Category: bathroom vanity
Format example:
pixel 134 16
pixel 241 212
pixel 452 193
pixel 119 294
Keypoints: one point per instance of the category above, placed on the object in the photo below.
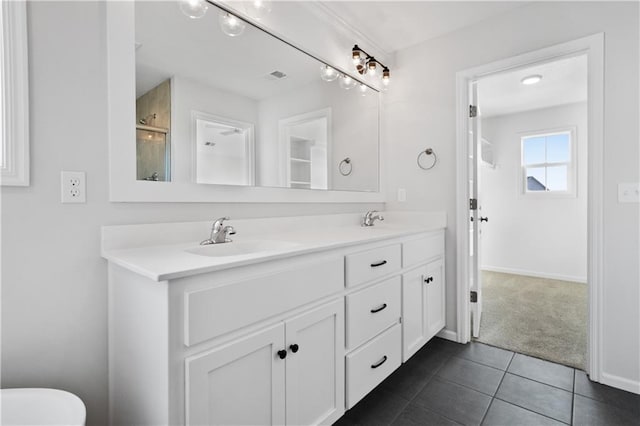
pixel 293 325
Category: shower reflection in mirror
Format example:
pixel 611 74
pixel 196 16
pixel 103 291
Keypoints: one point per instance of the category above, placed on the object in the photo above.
pixel 153 126
pixel 224 150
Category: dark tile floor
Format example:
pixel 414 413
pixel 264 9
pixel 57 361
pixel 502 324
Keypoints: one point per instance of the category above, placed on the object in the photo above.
pixel 448 384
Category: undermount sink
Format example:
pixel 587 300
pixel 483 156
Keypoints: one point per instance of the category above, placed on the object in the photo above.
pixel 240 248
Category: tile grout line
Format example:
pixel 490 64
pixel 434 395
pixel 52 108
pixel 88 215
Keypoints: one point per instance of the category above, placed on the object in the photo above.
pixel 531 411
pixel 493 398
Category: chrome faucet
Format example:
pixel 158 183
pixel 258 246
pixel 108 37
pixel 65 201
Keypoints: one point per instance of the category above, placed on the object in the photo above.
pixel 371 217
pixel 219 233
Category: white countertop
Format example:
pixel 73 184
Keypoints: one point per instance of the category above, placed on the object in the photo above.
pixel 159 251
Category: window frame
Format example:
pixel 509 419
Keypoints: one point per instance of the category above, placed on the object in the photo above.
pixel 572 166
pixel 14 165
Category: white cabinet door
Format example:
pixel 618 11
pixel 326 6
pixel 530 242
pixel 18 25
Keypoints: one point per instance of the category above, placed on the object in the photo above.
pixel 423 314
pixel 414 294
pixel 315 366
pixel 241 383
pixel 435 298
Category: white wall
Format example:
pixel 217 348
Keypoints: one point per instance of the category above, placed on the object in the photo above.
pixel 534 235
pixel 420 112
pixel 54 283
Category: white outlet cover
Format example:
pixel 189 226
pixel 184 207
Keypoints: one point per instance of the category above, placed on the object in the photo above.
pixel 73 187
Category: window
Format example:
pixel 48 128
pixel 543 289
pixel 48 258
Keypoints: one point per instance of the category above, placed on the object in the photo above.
pixel 548 163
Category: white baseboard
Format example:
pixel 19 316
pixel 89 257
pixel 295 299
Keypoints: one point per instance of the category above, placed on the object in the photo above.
pixel 620 383
pixel 448 334
pixel 581 280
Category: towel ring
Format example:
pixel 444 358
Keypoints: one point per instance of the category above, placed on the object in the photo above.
pixel 429 152
pixel 343 167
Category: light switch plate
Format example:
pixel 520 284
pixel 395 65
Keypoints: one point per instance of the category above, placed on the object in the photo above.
pixel 402 195
pixel 629 192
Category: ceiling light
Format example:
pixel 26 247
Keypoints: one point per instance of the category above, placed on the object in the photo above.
pixel 327 73
pixel 258 9
pixel 231 25
pixel 194 9
pixel 531 79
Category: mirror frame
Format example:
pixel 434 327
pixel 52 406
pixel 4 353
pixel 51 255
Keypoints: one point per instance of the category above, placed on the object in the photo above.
pixel 123 187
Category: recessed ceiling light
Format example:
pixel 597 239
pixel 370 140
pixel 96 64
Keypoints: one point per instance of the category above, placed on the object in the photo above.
pixel 531 79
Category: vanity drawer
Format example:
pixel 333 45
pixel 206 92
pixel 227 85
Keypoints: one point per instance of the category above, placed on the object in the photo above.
pixel 422 249
pixel 372 363
pixel 215 311
pixel 372 310
pixel 371 264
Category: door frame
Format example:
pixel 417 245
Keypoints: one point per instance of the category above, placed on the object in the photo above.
pixel 593 47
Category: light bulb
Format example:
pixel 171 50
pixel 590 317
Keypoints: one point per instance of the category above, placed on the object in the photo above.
pixel 386 76
pixel 356 55
pixel 363 89
pixel 327 73
pixel 346 82
pixel 231 25
pixel 371 65
pixel 194 9
pixel 258 9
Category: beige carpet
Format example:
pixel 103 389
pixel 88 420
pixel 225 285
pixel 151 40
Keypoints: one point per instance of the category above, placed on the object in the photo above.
pixel 535 316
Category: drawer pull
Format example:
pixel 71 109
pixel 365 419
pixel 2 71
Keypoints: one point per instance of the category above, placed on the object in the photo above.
pixel 282 354
pixel 379 363
pixel 375 265
pixel 379 308
pixel 294 348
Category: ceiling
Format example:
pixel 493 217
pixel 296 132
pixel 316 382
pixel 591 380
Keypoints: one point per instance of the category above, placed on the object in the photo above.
pixel 563 82
pixel 395 25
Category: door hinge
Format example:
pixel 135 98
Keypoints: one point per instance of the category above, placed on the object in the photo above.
pixel 474 297
pixel 473 111
pixel 473 204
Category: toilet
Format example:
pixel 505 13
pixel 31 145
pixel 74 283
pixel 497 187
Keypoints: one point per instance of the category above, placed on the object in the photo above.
pixel 40 406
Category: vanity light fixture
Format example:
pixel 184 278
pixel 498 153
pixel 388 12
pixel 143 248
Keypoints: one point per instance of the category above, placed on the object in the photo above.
pixel 194 9
pixel 231 25
pixel 531 79
pixel 368 65
pixel 363 89
pixel 327 73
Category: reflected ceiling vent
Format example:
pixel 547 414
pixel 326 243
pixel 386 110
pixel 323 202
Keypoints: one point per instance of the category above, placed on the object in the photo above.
pixel 276 75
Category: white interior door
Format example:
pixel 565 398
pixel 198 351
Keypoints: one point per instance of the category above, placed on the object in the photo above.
pixel 475 208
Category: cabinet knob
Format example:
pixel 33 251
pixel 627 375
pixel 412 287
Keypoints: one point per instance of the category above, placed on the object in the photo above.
pixel 294 348
pixel 484 219
pixel 427 280
pixel 282 354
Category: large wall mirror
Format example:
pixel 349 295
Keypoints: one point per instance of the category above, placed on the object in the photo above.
pixel 223 107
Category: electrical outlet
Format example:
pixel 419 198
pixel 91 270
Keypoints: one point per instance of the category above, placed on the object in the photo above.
pixel 73 187
pixel 629 192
